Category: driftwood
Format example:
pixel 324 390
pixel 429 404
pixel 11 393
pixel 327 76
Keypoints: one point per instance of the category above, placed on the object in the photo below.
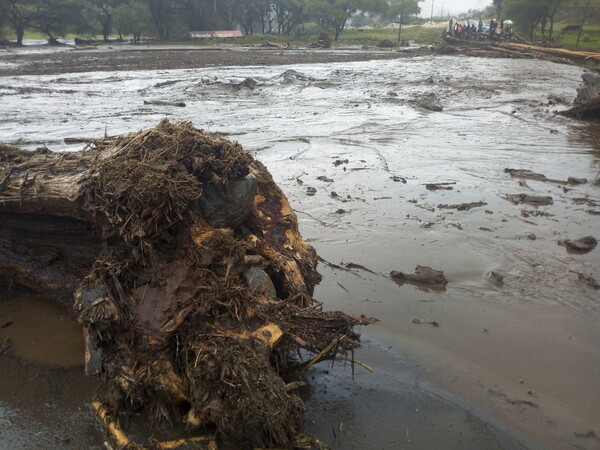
pixel 516 50
pixel 174 325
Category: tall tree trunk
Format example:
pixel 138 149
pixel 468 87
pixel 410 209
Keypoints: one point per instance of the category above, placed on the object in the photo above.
pixel 20 32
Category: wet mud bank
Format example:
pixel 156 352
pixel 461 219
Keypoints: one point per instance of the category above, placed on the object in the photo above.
pixel 479 191
pixel 109 59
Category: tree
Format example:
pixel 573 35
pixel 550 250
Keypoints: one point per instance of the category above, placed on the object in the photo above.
pixel 498 4
pixel 20 14
pixel 265 15
pixel 250 12
pixel 531 14
pixel 335 13
pixel 227 10
pixel 289 14
pixel 102 12
pixel 56 17
pixel 164 15
pixel 552 9
pixel 528 14
pixel 131 19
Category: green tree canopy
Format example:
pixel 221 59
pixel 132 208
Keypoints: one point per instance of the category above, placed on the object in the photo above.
pixel 132 18
pixel 335 13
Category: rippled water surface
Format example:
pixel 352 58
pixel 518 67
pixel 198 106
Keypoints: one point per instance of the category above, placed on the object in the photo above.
pixel 527 351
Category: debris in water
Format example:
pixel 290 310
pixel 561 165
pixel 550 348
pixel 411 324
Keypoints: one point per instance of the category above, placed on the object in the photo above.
pixel 576 181
pixel 463 206
pixel 582 245
pixel 325 179
pixel 163 103
pixel 526 174
pixel 534 200
pixel 422 275
pixel 439 186
pixel 434 324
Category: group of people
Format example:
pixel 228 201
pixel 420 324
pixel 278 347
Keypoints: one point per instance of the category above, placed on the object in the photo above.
pixel 469 29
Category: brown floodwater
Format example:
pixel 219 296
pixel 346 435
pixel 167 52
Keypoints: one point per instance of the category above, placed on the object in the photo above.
pixel 44 397
pixel 522 356
pixel 41 331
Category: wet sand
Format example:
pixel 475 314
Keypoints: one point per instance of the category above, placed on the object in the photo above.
pixel 522 356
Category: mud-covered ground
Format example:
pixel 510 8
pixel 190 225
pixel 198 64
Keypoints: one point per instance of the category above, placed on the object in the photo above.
pixel 66 59
pixel 383 184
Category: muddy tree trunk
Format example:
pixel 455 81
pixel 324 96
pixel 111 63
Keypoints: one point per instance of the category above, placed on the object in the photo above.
pixel 189 312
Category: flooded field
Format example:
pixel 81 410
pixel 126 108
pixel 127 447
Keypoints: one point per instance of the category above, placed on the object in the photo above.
pixel 380 184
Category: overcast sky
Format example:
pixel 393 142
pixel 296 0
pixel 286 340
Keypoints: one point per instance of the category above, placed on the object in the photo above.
pixel 454 6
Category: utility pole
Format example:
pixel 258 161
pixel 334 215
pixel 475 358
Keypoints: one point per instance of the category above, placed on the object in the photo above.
pixel 432 4
pixel 582 21
pixel 401 20
pixel 442 11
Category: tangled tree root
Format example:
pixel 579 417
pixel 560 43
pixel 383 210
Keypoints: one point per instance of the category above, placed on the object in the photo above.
pixel 188 318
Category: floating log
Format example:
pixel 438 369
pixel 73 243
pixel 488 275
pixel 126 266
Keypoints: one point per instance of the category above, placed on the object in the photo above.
pixel 135 237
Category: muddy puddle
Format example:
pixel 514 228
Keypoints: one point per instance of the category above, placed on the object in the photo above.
pixel 44 399
pixel 513 339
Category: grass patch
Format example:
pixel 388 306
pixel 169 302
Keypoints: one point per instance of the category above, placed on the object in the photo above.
pixel 419 34
pixel 590 38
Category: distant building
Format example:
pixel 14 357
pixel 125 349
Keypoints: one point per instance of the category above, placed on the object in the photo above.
pixel 215 34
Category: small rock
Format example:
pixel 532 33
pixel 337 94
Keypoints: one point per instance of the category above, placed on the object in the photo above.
pixel 228 207
pixel 430 102
pixel 310 191
pixel 493 278
pixel 260 283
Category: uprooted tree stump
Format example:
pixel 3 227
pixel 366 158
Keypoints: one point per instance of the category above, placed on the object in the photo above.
pixel 587 102
pixel 182 260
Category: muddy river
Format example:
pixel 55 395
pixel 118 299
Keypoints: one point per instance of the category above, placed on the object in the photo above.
pixel 509 360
